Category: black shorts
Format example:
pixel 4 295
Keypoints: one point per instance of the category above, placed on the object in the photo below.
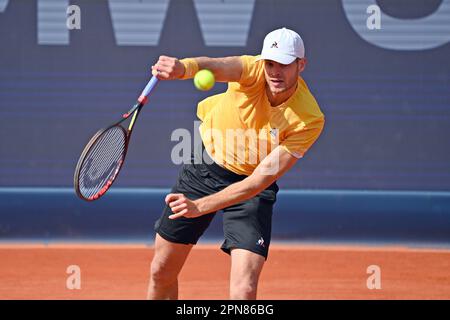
pixel 246 225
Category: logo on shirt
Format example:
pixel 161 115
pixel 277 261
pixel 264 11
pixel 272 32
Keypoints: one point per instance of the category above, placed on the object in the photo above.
pixel 274 45
pixel 273 132
pixel 260 242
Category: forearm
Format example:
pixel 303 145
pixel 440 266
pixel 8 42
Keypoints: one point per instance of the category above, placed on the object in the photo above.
pixel 227 69
pixel 234 193
pixel 268 171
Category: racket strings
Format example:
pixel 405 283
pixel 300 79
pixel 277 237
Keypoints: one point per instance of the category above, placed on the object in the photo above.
pixel 102 159
pixel 101 152
pixel 102 162
pixel 93 173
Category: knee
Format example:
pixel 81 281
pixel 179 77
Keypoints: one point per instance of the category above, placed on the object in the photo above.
pixel 161 274
pixel 243 290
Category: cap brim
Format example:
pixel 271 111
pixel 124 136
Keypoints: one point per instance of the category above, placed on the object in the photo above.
pixel 277 57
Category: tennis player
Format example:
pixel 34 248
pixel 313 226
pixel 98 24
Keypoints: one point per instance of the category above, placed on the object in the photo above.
pixel 266 95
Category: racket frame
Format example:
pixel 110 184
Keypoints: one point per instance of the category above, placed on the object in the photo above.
pixel 134 112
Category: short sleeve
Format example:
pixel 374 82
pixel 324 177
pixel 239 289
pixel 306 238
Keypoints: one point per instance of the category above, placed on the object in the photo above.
pixel 252 70
pixel 301 138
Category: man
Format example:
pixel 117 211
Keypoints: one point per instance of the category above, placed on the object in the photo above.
pixel 265 94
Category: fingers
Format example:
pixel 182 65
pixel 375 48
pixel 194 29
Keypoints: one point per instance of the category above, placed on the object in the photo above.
pixel 178 208
pixel 160 73
pixel 176 202
pixel 163 68
pixel 173 197
pixel 167 68
pixel 178 215
pixel 155 72
pixel 166 58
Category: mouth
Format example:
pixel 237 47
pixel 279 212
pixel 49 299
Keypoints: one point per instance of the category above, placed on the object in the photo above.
pixel 276 82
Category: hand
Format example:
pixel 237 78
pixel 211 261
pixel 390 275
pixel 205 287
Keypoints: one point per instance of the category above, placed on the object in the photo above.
pixel 181 206
pixel 168 68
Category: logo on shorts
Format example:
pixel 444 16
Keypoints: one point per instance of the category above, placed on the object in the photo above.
pixel 260 242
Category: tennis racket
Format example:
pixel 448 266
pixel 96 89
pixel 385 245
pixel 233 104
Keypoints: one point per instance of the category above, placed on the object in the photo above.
pixel 104 155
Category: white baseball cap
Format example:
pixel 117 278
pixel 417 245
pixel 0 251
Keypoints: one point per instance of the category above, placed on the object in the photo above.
pixel 283 46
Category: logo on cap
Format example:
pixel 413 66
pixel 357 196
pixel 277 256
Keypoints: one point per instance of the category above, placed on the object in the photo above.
pixel 274 45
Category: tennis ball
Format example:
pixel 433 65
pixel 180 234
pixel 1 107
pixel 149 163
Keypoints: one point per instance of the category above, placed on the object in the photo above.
pixel 204 80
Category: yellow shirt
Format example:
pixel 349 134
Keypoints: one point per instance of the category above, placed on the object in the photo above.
pixel 240 127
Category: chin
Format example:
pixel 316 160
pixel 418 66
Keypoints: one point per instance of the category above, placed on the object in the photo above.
pixel 277 90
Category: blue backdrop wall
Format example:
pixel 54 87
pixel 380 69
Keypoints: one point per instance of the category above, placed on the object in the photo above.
pixel 387 111
pixel 385 92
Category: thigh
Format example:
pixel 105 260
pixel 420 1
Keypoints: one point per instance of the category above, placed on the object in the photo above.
pixel 246 266
pixel 248 225
pixel 169 256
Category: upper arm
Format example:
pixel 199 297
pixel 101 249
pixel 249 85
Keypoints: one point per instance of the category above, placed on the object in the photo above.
pixel 227 69
pixel 246 69
pixel 252 71
pixel 301 138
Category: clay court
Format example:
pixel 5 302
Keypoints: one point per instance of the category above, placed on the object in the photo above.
pixel 292 272
pixel 373 191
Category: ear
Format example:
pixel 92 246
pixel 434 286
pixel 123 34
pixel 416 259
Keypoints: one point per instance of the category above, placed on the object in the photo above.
pixel 301 64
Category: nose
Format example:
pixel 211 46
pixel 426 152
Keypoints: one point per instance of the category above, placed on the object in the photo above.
pixel 276 71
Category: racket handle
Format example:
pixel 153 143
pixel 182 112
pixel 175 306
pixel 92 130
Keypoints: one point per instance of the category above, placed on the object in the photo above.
pixel 148 88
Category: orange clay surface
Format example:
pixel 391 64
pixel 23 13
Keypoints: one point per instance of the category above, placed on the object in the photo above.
pixel 36 271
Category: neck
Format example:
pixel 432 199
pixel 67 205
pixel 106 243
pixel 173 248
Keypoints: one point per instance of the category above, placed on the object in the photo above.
pixel 276 99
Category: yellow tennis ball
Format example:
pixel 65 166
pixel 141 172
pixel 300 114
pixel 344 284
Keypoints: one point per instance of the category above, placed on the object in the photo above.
pixel 204 80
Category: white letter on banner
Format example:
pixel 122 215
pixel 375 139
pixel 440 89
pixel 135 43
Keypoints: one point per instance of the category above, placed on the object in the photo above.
pixel 374 20
pixel 74 18
pixel 401 34
pixel 181 152
pixel 225 23
pixel 138 22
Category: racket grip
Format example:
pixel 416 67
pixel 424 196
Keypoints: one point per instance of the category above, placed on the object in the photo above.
pixel 148 88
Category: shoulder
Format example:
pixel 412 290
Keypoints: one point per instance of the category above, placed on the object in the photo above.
pixel 305 104
pixel 251 60
pixel 252 70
